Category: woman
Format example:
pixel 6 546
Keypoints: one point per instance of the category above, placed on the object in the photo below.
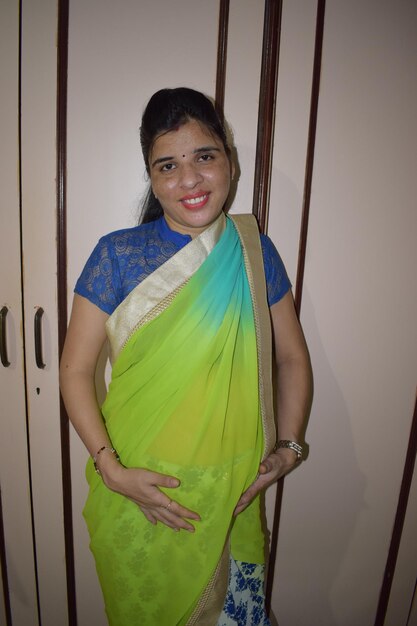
pixel 185 439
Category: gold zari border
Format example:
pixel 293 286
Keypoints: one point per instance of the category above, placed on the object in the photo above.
pixel 152 296
pixel 210 604
pixel 247 228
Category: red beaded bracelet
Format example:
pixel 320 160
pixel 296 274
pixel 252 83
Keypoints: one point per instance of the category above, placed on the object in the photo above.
pixel 112 450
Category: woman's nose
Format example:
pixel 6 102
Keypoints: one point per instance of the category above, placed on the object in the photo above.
pixel 190 175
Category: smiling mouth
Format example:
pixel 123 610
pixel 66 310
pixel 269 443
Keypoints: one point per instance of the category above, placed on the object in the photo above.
pixel 195 202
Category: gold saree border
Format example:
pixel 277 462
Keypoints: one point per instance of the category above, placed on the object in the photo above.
pixel 210 604
pixel 155 293
pixel 247 228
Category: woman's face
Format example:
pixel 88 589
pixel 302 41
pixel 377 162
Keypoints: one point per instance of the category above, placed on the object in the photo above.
pixel 190 175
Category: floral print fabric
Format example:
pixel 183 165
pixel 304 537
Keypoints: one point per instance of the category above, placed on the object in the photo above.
pixel 245 599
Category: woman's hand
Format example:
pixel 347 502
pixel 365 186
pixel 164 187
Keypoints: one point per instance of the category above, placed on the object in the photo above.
pixel 276 465
pixel 142 487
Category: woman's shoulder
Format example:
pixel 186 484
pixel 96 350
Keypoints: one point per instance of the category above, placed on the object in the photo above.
pixel 277 280
pixel 269 251
pixel 130 237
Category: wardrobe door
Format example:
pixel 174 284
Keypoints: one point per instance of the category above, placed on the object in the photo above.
pixel 18 568
pixel 38 159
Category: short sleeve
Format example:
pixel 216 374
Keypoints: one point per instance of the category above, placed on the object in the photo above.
pixel 100 279
pixel 277 281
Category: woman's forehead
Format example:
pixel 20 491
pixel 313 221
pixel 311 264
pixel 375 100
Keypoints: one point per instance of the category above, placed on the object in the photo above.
pixel 187 136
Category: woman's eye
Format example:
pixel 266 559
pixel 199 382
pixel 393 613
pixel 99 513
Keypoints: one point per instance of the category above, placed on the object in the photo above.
pixel 206 157
pixel 167 167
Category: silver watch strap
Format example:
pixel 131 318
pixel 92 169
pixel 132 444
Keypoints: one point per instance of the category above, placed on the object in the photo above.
pixel 292 445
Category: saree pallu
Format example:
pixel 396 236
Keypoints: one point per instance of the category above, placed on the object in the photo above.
pixel 185 399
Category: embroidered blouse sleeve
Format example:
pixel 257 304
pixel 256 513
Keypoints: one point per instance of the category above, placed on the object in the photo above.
pixel 100 279
pixel 277 281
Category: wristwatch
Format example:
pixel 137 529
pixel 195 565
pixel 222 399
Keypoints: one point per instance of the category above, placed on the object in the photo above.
pixel 292 445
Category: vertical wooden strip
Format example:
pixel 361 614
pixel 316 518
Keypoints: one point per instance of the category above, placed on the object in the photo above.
pixel 398 523
pixel 315 90
pixel 22 289
pixel 311 142
pixel 222 56
pixel 3 565
pixel 413 606
pixel 62 69
pixel 266 112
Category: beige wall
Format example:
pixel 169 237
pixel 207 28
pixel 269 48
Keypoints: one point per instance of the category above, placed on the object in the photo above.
pixel 359 303
pixel 359 309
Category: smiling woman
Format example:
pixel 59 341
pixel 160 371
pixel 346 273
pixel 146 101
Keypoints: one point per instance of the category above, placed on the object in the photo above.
pixel 193 182
pixel 185 440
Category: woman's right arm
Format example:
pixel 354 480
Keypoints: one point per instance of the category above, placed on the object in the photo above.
pixel 85 338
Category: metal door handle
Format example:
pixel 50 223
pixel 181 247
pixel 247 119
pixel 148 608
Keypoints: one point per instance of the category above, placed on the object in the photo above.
pixel 38 338
pixel 3 340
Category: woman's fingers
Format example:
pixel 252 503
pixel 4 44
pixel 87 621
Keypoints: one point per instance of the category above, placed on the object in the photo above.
pixel 169 518
pixel 266 477
pixel 248 495
pixel 151 518
pixel 172 506
pixel 162 480
pixel 158 516
pixel 181 511
pixel 157 505
pixel 270 470
pixel 143 488
pixel 175 515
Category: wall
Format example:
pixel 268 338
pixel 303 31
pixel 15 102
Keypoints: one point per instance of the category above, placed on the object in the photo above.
pixel 359 307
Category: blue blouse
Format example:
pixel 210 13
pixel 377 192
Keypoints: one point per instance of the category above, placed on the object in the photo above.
pixel 122 259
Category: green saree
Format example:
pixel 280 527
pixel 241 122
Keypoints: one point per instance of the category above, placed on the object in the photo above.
pixel 189 397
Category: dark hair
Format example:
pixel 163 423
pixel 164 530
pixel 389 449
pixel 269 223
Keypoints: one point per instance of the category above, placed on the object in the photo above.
pixel 166 110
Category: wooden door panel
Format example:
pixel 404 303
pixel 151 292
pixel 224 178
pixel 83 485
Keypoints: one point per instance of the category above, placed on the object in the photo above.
pixel 38 157
pixel 14 468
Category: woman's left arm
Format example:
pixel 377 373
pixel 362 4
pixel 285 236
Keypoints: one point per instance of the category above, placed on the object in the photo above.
pixel 295 390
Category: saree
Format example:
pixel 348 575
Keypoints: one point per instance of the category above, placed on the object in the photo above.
pixel 188 397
